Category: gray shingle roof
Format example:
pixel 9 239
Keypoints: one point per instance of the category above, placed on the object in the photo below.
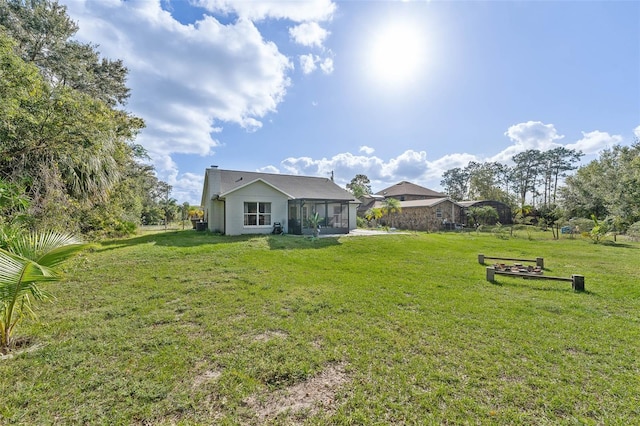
pixel 299 187
pixel 418 203
pixel 408 188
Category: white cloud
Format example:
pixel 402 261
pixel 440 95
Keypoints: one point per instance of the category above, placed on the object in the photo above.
pixel 594 142
pixel 269 169
pixel 533 135
pixel 307 63
pixel 327 65
pixel 409 165
pixel 183 87
pixel 436 168
pixel 529 135
pixel 297 11
pixel 366 149
pixel 636 132
pixel 185 186
pixel 309 34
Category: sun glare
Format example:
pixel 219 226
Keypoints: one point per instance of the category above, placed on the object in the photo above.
pixel 398 54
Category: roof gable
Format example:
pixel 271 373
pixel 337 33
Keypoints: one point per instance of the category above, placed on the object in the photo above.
pixel 293 186
pixel 408 188
pixel 429 202
pixel 249 183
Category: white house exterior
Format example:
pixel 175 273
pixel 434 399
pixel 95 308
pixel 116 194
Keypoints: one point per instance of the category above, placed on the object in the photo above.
pixel 239 202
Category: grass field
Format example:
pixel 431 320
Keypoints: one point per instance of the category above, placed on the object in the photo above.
pixel 185 327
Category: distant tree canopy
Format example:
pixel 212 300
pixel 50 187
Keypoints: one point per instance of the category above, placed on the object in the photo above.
pixel 608 187
pixel 534 174
pixel 538 183
pixel 64 139
pixel 359 186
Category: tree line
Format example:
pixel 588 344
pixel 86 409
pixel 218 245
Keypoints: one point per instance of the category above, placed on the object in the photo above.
pixel 68 157
pixel 549 186
pixel 540 184
pixel 533 179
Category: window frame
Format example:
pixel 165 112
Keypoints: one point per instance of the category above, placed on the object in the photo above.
pixel 260 216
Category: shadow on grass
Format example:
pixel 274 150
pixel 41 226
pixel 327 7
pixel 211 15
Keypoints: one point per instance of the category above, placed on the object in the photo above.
pixel 544 286
pixel 618 245
pixel 293 242
pixel 191 238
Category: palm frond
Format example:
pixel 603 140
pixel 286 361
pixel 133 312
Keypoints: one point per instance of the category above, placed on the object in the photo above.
pixel 19 276
pixel 28 261
pixel 47 249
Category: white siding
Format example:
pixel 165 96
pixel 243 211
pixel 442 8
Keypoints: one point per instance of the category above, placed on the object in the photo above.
pixel 256 192
pixel 216 216
pixel 353 209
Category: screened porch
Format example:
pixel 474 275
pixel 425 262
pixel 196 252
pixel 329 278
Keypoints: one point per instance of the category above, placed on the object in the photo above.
pixel 334 216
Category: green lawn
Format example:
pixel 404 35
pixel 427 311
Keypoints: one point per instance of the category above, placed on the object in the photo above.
pixel 184 327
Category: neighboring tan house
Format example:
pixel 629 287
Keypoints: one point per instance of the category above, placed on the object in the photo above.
pixel 432 214
pixel 422 209
pixel 239 202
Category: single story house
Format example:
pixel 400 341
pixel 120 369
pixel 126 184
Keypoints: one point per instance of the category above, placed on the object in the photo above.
pixel 422 209
pixel 240 202
pixel 432 214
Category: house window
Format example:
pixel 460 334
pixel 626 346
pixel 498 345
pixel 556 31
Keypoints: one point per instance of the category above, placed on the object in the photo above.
pixel 439 213
pixel 257 214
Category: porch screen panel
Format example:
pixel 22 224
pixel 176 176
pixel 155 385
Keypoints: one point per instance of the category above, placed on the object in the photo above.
pixel 321 209
pixel 338 215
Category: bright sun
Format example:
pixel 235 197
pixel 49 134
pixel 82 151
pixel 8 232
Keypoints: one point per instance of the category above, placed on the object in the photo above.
pixel 398 54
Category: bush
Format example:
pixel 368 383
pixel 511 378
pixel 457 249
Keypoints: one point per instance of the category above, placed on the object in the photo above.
pixel 361 222
pixel 582 225
pixel 633 232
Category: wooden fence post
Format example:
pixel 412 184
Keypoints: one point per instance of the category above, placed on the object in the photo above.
pixel 490 274
pixel 481 259
pixel 540 262
pixel 577 282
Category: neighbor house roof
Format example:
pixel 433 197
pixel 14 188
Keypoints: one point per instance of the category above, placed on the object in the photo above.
pixel 408 188
pixel 298 187
pixel 471 203
pixel 468 203
pixel 418 203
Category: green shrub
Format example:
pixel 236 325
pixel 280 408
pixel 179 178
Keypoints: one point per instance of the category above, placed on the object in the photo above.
pixel 633 232
pixel 581 224
pixel 361 222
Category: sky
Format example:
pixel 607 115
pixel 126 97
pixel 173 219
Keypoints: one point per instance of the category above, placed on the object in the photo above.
pixel 394 90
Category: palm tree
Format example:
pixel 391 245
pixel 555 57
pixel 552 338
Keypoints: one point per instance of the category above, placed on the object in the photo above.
pixel 28 261
pixel 390 206
pixel 373 214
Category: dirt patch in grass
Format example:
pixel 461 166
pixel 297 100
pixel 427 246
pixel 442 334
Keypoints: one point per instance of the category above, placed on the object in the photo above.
pixel 268 335
pixel 311 396
pixel 20 346
pixel 207 376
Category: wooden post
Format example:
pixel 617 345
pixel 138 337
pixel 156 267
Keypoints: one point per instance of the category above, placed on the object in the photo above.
pixel 577 282
pixel 540 262
pixel 481 259
pixel 490 273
